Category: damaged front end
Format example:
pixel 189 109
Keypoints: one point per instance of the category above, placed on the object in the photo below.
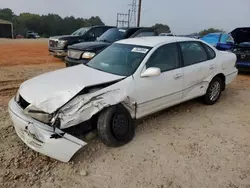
pixel 42 137
pixel 47 132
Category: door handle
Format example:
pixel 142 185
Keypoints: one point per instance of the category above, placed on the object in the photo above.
pixel 177 76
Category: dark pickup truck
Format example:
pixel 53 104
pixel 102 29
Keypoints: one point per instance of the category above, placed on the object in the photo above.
pixel 58 45
pixel 81 53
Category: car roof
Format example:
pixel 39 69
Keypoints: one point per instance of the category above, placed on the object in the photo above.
pixel 102 26
pixel 154 41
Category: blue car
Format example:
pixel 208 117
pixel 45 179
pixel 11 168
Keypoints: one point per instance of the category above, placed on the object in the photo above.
pixel 221 41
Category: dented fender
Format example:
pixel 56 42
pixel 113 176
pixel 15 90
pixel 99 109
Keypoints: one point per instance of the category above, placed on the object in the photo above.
pixel 83 107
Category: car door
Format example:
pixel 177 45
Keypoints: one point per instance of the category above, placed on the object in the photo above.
pixel 158 92
pixel 199 67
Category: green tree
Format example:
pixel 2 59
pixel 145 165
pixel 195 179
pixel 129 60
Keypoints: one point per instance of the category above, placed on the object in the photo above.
pixel 6 14
pixel 210 30
pixel 47 25
pixel 161 28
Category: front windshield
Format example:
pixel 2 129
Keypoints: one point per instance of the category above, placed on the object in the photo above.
pixel 119 59
pixel 80 31
pixel 111 35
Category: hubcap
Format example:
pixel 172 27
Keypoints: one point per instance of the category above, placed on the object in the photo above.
pixel 214 91
pixel 120 126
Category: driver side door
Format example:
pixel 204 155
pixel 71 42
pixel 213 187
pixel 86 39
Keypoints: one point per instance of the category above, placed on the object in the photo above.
pixel 158 92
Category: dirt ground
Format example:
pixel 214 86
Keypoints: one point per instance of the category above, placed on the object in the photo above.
pixel 190 145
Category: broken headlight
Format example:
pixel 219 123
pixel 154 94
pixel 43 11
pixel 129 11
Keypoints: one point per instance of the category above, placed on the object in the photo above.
pixel 17 96
pixel 37 114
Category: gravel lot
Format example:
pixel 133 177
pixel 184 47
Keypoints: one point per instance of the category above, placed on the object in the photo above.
pixel 190 145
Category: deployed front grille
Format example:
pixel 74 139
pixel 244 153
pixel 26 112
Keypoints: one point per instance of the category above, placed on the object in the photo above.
pixel 74 54
pixel 52 43
pixel 22 103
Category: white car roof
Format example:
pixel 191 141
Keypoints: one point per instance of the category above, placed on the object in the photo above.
pixel 154 41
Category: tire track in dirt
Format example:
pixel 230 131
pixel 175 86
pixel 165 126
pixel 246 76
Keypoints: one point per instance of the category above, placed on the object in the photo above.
pixel 8 91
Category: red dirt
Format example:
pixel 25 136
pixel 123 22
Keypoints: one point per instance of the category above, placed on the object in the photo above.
pixel 25 52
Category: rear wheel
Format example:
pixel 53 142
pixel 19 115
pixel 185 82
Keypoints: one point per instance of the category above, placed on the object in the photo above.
pixel 213 91
pixel 115 126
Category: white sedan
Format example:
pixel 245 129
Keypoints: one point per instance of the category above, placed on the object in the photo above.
pixel 130 79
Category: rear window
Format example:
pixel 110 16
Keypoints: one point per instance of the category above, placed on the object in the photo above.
pixel 210 52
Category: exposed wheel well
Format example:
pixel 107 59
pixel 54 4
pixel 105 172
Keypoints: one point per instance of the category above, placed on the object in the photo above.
pixel 223 79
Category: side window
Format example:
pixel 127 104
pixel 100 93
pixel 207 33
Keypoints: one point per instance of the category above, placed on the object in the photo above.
pixel 165 57
pixel 193 53
pixel 230 39
pixel 96 32
pixel 224 38
pixel 210 52
pixel 145 34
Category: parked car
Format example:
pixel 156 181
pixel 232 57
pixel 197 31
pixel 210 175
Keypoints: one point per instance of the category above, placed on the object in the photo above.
pixel 19 36
pixel 32 35
pixel 58 45
pixel 83 52
pixel 221 41
pixel 166 34
pixel 242 47
pixel 130 79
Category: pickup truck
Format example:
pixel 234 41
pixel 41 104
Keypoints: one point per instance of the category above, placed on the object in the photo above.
pixel 58 45
pixel 81 53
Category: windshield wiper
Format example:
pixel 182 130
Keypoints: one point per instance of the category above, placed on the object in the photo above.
pixel 105 40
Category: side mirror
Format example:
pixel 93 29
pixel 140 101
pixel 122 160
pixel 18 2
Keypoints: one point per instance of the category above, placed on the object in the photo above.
pixel 151 71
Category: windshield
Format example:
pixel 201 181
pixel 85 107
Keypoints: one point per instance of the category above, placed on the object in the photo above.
pixel 119 59
pixel 212 39
pixel 111 35
pixel 80 31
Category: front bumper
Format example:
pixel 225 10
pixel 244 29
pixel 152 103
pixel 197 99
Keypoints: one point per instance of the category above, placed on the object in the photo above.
pixel 243 65
pixel 43 138
pixel 71 62
pixel 58 53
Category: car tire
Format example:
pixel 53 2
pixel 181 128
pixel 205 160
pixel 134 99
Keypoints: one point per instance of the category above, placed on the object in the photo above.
pixel 115 126
pixel 213 91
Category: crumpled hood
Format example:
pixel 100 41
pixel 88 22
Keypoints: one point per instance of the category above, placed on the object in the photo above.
pixel 48 92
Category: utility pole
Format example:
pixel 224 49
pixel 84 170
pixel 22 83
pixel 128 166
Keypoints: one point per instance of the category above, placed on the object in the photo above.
pixel 139 14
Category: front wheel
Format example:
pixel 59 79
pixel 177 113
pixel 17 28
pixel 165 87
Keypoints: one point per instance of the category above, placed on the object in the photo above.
pixel 115 126
pixel 213 91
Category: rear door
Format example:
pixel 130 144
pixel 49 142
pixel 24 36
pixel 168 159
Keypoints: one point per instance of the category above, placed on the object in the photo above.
pixel 199 67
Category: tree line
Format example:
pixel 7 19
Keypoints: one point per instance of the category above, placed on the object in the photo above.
pixel 46 25
pixel 53 24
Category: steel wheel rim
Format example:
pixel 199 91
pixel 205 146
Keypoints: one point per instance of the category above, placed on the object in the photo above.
pixel 214 91
pixel 120 126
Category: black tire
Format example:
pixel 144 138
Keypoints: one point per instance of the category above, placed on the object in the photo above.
pixel 115 126
pixel 207 97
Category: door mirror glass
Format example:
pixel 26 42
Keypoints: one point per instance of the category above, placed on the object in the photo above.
pixel 151 71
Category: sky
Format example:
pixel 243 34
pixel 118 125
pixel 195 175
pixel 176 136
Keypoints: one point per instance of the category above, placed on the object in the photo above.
pixel 183 16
